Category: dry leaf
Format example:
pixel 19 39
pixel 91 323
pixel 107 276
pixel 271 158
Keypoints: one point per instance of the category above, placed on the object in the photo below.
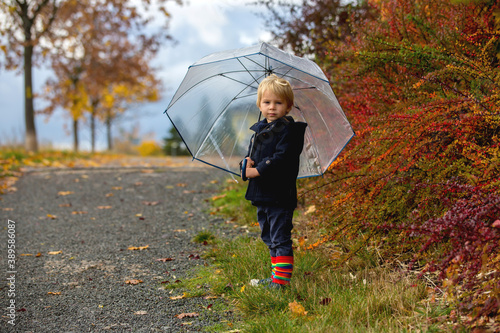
pixel 297 309
pixel 52 217
pixel 65 205
pixel 55 252
pixel 8 209
pixel 138 247
pixel 217 197
pixel 210 297
pixel 310 210
pixel 181 185
pixel 141 312
pixel 39 254
pixel 64 192
pixel 104 207
pixel 117 188
pixel 109 195
pixel 54 293
pixel 164 259
pixel 25 254
pixel 150 203
pixel 178 297
pixel 187 315
pixel 180 230
pixel 78 212
pixel 133 281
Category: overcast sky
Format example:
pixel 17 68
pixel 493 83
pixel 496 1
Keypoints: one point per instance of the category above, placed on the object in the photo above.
pixel 200 28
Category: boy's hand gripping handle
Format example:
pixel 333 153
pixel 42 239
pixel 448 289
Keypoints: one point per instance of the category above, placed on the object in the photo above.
pixel 244 170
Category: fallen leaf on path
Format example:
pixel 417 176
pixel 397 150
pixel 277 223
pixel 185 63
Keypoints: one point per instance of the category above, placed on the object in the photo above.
pixel 65 205
pixel 104 207
pixel 117 188
pixel 39 254
pixel 25 254
pixel 133 281
pixel 297 309
pixel 164 259
pixel 109 195
pixel 178 297
pixel 140 312
pixel 62 193
pixel 140 248
pixel 138 183
pixel 214 181
pixel 78 212
pixel 180 230
pixel 181 185
pixel 55 252
pixel 8 209
pixel 150 203
pixel 188 315
pixel 52 217
pixel 54 293
pixel 147 171
pixel 210 297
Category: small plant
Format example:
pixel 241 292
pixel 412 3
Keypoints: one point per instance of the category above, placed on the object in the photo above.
pixel 204 237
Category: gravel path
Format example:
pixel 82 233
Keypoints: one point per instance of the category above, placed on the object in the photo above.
pixel 73 230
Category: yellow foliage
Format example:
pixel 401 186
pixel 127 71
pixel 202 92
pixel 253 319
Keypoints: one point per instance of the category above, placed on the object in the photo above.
pixel 149 148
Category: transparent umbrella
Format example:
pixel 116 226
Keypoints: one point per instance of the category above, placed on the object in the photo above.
pixel 215 106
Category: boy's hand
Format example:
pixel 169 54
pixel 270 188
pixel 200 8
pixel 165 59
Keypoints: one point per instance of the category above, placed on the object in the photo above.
pixel 251 172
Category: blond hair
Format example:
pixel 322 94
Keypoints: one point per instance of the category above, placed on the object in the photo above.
pixel 278 86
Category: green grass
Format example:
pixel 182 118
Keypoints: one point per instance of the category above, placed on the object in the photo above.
pixel 360 296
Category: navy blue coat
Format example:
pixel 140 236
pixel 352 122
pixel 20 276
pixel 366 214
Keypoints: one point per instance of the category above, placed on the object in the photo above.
pixel 276 154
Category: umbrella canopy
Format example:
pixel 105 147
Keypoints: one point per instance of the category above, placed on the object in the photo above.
pixel 215 105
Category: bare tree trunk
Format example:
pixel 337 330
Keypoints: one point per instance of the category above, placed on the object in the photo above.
pixel 75 135
pixel 31 143
pixel 108 130
pixel 92 130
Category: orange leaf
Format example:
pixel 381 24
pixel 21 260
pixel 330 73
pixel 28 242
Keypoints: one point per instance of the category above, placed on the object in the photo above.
pixel 217 197
pixel 55 252
pixel 104 207
pixel 78 212
pixel 64 193
pixel 133 281
pixel 54 293
pixel 52 217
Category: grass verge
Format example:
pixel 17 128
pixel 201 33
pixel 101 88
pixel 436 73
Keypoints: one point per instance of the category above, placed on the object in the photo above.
pixel 322 297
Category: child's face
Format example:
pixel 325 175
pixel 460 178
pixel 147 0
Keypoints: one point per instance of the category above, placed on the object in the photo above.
pixel 273 106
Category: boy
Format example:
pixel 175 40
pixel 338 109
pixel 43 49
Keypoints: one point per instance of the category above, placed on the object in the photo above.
pixel 272 168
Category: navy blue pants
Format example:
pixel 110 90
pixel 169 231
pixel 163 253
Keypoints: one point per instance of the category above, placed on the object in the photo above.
pixel 276 229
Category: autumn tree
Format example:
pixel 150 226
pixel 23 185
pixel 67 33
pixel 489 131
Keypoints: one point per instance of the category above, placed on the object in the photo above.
pixel 28 29
pixel 23 26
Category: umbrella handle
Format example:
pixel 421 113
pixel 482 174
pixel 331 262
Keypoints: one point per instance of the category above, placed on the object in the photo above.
pixel 244 170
